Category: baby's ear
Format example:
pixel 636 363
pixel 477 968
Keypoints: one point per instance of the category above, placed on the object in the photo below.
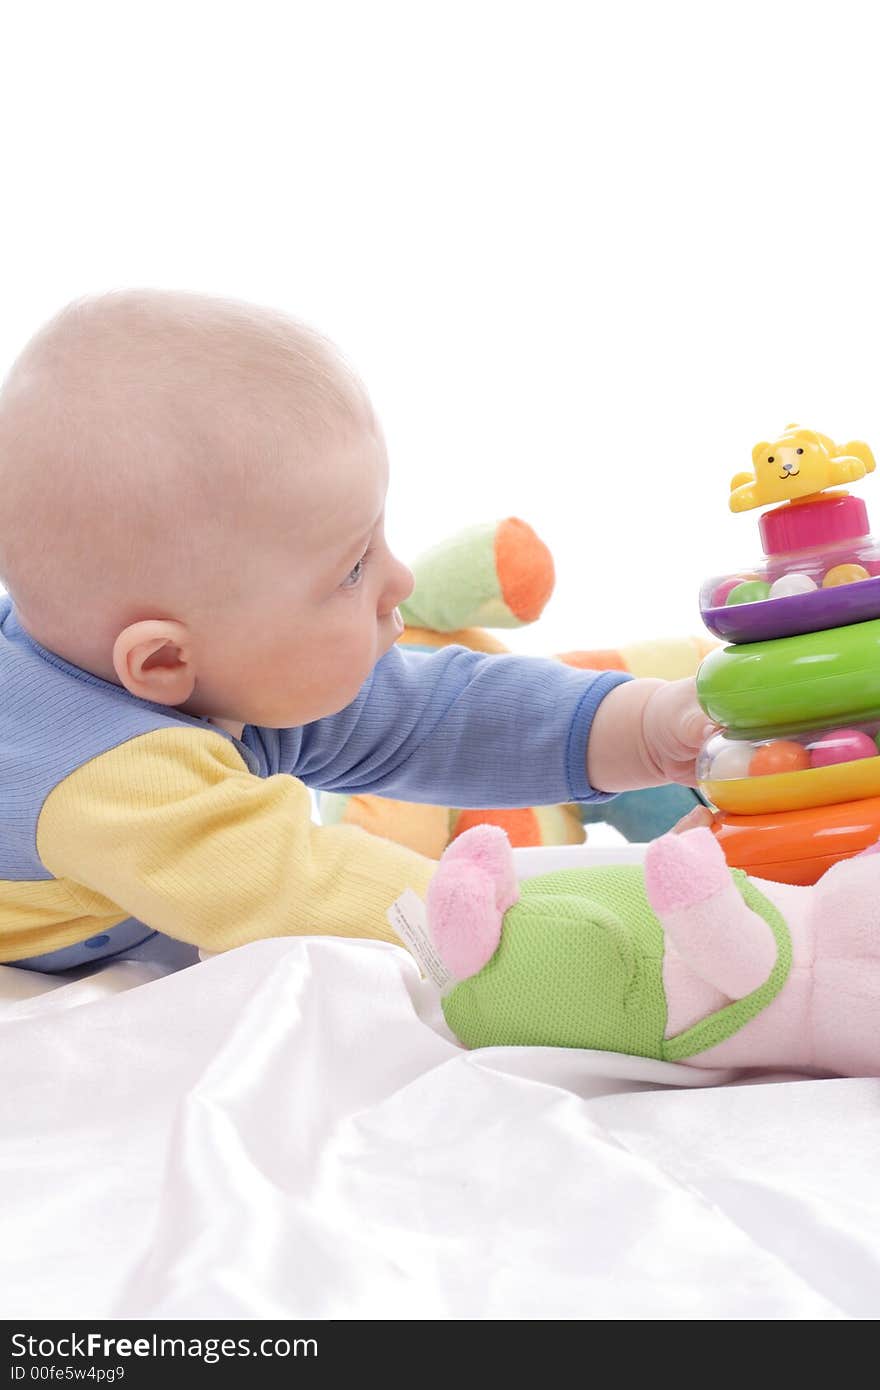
pixel 758 451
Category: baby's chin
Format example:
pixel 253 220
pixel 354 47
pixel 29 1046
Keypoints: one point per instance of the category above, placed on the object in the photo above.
pixel 323 703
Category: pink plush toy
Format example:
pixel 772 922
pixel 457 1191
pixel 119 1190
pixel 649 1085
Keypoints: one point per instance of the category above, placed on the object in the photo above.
pixel 684 960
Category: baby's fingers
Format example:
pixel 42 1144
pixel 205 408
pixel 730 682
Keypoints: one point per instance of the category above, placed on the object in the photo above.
pixel 680 770
pixel 695 728
pixel 694 820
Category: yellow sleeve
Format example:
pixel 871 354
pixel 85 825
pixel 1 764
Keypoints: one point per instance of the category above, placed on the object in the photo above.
pixel 172 828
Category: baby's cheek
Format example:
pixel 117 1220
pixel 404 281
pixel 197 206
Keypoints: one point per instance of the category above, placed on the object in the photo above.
pixel 353 657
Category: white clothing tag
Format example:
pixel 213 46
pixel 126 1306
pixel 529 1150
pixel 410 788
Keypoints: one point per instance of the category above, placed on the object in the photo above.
pixel 409 920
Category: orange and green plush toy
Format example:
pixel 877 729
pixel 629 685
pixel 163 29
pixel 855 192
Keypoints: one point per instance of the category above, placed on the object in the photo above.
pixel 500 575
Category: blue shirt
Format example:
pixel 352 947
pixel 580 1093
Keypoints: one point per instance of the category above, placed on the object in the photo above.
pixel 453 727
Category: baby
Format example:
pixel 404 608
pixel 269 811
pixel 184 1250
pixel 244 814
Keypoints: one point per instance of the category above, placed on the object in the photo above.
pixel 200 624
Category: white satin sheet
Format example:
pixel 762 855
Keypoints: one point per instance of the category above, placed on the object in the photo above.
pixel 289 1131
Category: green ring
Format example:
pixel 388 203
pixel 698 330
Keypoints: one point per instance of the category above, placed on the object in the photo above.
pixel 813 678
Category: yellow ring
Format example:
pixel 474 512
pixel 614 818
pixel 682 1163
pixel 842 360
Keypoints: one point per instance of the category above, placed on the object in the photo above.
pixel 795 791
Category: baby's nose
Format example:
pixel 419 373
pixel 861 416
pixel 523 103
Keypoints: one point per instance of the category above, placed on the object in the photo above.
pixel 407 584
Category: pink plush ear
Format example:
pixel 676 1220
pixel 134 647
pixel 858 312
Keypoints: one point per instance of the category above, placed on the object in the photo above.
pixel 473 887
pixel 463 918
pixel 488 848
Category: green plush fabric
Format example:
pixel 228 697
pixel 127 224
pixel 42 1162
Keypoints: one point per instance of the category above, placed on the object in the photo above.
pixel 580 965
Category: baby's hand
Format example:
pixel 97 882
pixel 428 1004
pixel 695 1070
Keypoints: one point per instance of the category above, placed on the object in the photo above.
pixel 675 728
pixel 645 733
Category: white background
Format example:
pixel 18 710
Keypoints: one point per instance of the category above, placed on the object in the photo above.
pixel 584 255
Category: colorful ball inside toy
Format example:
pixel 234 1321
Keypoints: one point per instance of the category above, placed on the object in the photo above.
pixel 783 755
pixel 844 574
pixel 732 761
pixel 790 584
pixel 841 746
pixel 720 592
pixel 752 591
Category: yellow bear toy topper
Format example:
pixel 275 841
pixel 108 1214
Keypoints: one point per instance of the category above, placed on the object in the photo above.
pixel 799 464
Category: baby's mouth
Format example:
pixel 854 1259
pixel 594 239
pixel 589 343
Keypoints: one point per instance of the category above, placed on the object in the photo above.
pixel 398 620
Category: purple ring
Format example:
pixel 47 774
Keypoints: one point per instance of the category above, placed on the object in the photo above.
pixel 786 617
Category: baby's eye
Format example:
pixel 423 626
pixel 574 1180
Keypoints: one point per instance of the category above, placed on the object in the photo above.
pixel 354 577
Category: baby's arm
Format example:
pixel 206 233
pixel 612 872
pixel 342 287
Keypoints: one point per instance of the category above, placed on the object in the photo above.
pixel 171 828
pixel 458 728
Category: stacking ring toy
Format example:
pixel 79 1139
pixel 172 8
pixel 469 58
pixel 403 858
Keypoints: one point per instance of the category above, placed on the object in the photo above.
pixel 794 773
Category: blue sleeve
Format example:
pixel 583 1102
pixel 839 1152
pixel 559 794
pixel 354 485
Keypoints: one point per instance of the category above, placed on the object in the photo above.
pixel 457 728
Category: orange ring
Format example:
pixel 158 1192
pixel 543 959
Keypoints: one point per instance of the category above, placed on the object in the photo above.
pixel 798 846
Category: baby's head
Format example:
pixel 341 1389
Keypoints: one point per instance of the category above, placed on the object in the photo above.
pixel 191 505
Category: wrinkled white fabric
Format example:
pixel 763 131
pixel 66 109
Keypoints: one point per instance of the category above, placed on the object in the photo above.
pixel 289 1130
